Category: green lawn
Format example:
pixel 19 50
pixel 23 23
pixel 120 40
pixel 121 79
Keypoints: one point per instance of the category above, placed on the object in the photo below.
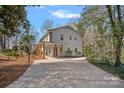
pixel 116 71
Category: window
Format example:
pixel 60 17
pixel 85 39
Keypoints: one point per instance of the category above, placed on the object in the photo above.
pixel 70 37
pixel 68 49
pixel 75 38
pixel 60 49
pixel 75 50
pixel 61 37
pixel 51 36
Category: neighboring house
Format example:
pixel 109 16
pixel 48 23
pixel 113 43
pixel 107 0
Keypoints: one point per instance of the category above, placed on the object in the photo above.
pixel 61 41
pixel 9 43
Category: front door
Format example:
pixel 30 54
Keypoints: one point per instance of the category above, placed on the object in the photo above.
pixel 55 51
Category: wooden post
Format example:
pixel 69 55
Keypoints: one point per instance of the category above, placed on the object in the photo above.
pixel 43 49
pixel 61 49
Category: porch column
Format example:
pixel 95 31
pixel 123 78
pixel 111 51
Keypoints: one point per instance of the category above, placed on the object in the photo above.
pixel 61 49
pixel 37 50
pixel 43 49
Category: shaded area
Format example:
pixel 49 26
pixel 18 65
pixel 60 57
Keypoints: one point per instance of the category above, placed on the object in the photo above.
pixel 12 68
pixel 11 73
pixel 6 60
pixel 116 71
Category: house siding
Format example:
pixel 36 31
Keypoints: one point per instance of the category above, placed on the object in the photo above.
pixel 54 37
pixel 67 43
pixel 47 38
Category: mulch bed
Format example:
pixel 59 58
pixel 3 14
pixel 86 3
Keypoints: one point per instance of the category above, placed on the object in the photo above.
pixel 12 68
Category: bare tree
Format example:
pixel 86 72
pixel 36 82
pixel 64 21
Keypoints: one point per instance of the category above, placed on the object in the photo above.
pixel 47 24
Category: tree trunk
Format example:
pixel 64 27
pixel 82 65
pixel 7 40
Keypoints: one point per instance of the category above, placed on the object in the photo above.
pixel 1 43
pixel 116 33
pixel 118 52
pixel 119 37
pixel 8 45
pixel 4 42
pixel 29 57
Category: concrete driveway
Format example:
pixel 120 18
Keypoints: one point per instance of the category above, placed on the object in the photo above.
pixel 64 73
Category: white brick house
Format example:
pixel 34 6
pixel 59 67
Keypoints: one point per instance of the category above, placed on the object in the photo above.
pixel 62 41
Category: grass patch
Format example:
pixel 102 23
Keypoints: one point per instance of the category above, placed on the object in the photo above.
pixel 116 71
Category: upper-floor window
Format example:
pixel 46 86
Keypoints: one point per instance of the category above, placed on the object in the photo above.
pixel 70 37
pixel 51 36
pixel 61 37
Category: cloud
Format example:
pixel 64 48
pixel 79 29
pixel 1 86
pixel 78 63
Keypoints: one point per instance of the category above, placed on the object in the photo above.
pixel 64 14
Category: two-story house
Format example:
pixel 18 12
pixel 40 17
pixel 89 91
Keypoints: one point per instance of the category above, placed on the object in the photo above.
pixel 61 41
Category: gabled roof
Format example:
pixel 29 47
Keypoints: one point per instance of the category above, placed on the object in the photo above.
pixel 64 26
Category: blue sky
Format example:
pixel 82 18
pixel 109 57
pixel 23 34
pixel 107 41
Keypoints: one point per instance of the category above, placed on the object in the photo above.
pixel 59 14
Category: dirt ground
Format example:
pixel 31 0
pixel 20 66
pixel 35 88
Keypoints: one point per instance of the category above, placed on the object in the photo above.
pixel 12 68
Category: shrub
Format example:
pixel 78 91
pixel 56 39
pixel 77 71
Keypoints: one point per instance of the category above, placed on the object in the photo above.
pixel 10 53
